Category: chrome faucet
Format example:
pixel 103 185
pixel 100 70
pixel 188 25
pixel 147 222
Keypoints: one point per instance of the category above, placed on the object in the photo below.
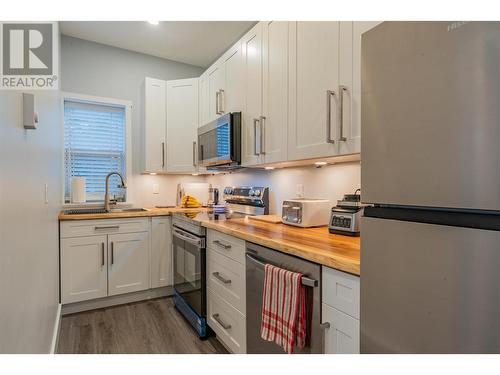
pixel 106 196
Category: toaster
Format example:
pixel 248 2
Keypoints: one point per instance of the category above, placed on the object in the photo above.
pixel 306 212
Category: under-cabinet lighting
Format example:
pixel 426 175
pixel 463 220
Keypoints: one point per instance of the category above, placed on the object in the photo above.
pixel 269 168
pixel 320 163
pixel 152 174
pixel 154 22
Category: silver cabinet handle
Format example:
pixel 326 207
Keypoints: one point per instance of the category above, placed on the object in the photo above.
pixel 262 135
pixel 220 278
pixel 107 227
pixel 255 122
pixel 220 244
pixel 329 94
pixel 221 99
pixel 218 320
pixel 342 90
pixel 163 154
pixel 112 253
pixel 194 153
pixel 102 254
pixel 324 327
pixel 217 103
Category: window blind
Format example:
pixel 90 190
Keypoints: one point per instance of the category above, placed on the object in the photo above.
pixel 94 145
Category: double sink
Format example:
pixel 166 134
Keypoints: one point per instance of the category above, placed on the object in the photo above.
pixel 91 211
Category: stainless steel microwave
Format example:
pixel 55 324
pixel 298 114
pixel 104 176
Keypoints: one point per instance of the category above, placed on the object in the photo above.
pixel 219 142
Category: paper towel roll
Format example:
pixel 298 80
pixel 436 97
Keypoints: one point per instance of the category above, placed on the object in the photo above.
pixel 78 193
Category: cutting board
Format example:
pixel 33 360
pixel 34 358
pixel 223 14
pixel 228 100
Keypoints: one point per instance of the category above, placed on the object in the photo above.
pixel 273 219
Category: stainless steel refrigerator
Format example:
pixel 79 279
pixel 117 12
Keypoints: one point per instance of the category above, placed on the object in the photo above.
pixel 430 247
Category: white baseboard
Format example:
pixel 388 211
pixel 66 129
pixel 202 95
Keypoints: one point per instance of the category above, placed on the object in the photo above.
pixel 55 334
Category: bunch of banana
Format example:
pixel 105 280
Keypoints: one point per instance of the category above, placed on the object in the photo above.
pixel 189 201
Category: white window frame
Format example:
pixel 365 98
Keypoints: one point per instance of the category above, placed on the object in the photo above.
pixel 127 105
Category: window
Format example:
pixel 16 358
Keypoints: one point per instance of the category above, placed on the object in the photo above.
pixel 94 145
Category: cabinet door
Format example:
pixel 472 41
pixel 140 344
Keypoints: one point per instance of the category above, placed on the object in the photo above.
pixel 203 100
pixel 215 86
pixel 274 122
pixel 161 252
pixel 314 80
pixel 232 97
pixel 343 335
pixel 350 84
pixel 83 268
pixel 154 124
pixel 182 125
pixel 128 263
pixel 252 83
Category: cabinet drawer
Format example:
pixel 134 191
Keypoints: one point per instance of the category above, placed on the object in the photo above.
pixel 80 228
pixel 343 335
pixel 341 290
pixel 230 246
pixel 227 322
pixel 227 278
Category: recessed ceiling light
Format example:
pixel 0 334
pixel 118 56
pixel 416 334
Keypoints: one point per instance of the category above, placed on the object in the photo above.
pixel 269 168
pixel 154 22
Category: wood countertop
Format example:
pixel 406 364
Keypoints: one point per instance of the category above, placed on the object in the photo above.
pixel 122 215
pixel 314 244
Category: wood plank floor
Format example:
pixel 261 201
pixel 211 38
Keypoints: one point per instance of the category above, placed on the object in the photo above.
pixel 153 327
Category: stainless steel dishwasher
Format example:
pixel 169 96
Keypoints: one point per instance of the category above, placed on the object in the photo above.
pixel 256 258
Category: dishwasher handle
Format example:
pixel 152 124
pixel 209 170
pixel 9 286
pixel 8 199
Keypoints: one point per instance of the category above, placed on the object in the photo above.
pixel 306 281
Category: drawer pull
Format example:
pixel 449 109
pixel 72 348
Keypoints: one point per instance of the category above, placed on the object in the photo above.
pixel 223 245
pixel 108 227
pixel 218 320
pixel 220 278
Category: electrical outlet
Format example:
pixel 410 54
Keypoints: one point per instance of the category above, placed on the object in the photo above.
pixel 299 191
pixel 156 188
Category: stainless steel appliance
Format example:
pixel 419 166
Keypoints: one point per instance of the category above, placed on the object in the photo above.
pixel 302 212
pixel 247 200
pixel 256 258
pixel 346 216
pixel 219 142
pixel 430 247
pixel 190 288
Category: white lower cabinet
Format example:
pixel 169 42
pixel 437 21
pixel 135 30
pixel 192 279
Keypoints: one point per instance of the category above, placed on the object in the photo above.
pixel 342 337
pixel 83 268
pixel 128 263
pixel 161 252
pixel 101 258
pixel 226 279
pixel 340 311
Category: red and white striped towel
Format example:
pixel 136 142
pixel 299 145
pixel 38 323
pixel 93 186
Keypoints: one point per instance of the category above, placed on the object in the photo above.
pixel 283 308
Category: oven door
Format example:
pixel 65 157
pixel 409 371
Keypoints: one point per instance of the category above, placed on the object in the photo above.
pixel 189 269
pixel 215 142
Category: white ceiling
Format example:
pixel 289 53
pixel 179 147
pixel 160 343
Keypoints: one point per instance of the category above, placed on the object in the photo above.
pixel 197 43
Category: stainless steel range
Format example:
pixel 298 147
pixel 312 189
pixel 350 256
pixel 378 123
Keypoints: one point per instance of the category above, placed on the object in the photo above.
pixel 247 200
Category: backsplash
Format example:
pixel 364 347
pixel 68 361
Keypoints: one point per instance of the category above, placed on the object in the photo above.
pixel 329 182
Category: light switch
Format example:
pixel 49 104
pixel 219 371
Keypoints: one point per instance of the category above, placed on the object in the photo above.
pixel 156 188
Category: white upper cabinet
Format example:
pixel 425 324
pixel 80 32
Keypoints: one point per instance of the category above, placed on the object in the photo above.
pixel 252 87
pixel 182 125
pixel 350 84
pixel 314 98
pixel 231 97
pixel 215 78
pixel 154 124
pixel 274 120
pixel 203 98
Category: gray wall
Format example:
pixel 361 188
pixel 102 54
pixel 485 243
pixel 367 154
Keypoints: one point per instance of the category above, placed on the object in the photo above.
pixel 96 69
pixel 29 268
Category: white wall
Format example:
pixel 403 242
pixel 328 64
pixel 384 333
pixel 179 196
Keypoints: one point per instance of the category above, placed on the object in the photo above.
pixel 329 182
pixel 29 268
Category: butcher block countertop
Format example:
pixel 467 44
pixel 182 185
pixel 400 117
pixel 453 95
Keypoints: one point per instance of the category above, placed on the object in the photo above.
pixel 125 214
pixel 314 244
